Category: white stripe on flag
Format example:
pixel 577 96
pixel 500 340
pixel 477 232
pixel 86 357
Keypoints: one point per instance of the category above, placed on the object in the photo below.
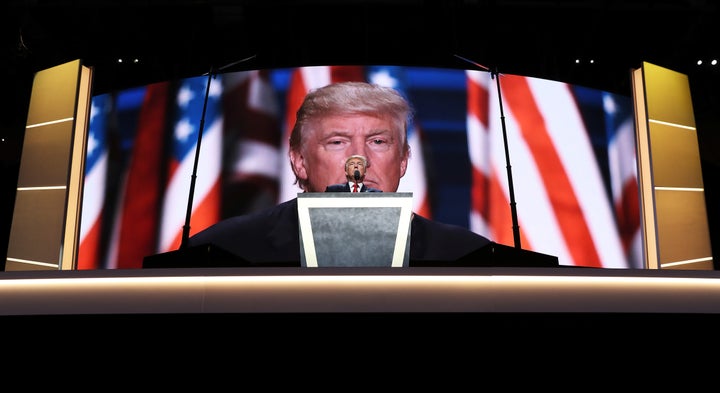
pixel 93 195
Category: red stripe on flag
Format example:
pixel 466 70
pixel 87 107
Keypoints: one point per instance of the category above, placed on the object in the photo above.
pixel 479 195
pixel 347 73
pixel 139 217
pixel 89 253
pixel 478 102
pixel 627 210
pixel 88 256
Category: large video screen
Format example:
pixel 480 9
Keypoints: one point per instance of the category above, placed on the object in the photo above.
pixel 567 152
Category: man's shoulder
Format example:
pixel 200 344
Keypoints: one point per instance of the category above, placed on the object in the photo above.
pixel 336 187
pixel 437 241
pixel 432 227
pixel 253 222
pixel 268 235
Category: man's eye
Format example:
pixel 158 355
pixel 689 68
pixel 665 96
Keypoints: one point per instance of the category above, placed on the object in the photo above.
pixel 334 145
pixel 379 145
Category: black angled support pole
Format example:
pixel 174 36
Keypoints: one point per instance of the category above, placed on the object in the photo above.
pixel 188 214
pixel 511 189
pixel 193 177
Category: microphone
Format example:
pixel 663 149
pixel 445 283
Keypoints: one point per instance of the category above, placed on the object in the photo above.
pixel 357 175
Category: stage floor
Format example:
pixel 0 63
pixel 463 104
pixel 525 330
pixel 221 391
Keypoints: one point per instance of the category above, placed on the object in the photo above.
pixel 359 290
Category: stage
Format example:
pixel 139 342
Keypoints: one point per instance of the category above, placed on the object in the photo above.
pixel 359 290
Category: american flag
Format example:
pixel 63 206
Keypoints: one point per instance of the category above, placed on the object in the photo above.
pixel 135 213
pixel 571 154
pixel 150 214
pixel 562 201
pixel 185 138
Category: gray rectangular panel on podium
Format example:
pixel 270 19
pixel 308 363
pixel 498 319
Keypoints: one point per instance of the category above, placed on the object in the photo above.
pixel 355 229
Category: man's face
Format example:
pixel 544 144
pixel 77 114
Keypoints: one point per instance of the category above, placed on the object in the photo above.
pixel 355 164
pixel 321 159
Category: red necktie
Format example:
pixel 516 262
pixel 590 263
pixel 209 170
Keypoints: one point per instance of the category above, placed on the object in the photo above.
pixel 355 187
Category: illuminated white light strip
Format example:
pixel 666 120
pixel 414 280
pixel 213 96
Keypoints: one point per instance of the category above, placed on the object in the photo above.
pixel 32 262
pixel 45 188
pixel 357 279
pixel 357 293
pixel 50 122
pixel 672 124
pixel 679 189
pixel 607 279
pixel 689 261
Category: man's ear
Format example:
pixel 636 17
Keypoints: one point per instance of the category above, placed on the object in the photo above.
pixel 404 163
pixel 297 161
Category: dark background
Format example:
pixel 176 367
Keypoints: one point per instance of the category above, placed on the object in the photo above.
pixel 175 39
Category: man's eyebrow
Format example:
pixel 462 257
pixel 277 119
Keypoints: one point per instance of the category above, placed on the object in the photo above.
pixel 338 131
pixel 382 131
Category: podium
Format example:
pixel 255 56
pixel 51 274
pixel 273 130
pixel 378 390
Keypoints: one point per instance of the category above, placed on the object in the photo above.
pixel 355 229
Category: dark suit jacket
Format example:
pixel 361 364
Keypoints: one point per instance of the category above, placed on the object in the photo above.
pixel 272 237
pixel 345 187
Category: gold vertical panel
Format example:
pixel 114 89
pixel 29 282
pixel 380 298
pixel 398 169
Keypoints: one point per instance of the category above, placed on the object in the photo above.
pixel 681 216
pixel 46 155
pixel 668 96
pixel 45 226
pixel 675 225
pixel 37 227
pixel 676 157
pixel 53 94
